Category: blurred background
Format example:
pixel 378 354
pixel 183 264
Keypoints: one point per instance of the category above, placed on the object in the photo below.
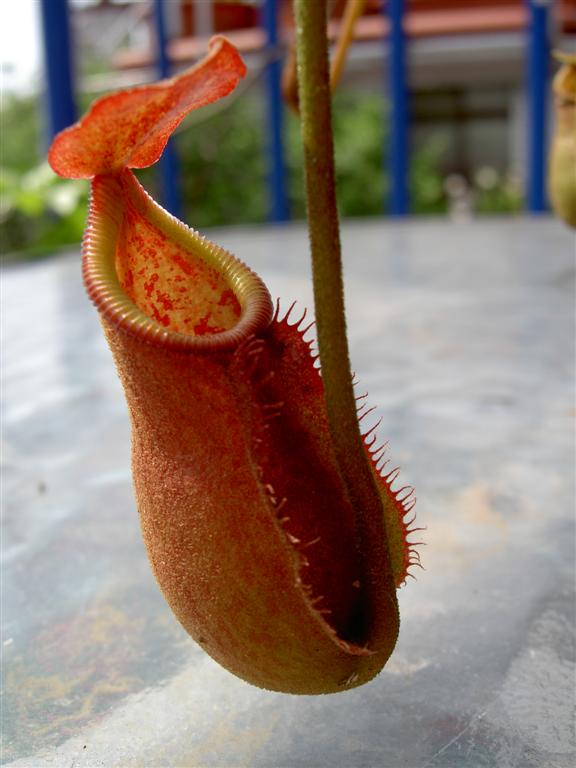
pixel 443 108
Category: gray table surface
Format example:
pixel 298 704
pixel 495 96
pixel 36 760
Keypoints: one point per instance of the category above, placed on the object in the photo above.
pixel 463 333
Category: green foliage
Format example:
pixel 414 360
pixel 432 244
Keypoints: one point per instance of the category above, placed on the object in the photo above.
pixel 21 145
pixel 222 154
pixel 426 180
pixel 222 165
pixel 360 136
pixel 359 139
pixel 494 194
pixel 40 212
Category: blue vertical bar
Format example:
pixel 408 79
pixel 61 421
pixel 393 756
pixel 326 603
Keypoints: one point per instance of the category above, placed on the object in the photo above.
pixel 398 159
pixel 276 165
pixel 59 96
pixel 537 86
pixel 169 171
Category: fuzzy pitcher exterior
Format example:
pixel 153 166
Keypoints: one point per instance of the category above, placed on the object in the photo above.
pixel 249 528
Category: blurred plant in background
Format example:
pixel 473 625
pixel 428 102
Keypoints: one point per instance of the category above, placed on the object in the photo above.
pixel 495 193
pixel 40 212
pixel 223 172
pixel 223 165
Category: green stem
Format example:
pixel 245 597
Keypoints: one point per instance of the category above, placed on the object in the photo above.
pixel 316 122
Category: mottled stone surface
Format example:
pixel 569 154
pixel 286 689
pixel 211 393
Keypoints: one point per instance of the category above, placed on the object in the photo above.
pixel 464 336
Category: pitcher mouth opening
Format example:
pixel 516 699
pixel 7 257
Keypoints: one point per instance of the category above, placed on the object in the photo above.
pixel 153 276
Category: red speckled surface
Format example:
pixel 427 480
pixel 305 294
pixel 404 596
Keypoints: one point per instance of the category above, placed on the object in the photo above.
pixel 142 119
pixel 169 282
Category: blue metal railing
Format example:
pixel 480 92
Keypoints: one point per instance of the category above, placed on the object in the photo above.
pixel 537 73
pixel 169 168
pixel 275 145
pixel 399 124
pixel 60 107
pixel 59 94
